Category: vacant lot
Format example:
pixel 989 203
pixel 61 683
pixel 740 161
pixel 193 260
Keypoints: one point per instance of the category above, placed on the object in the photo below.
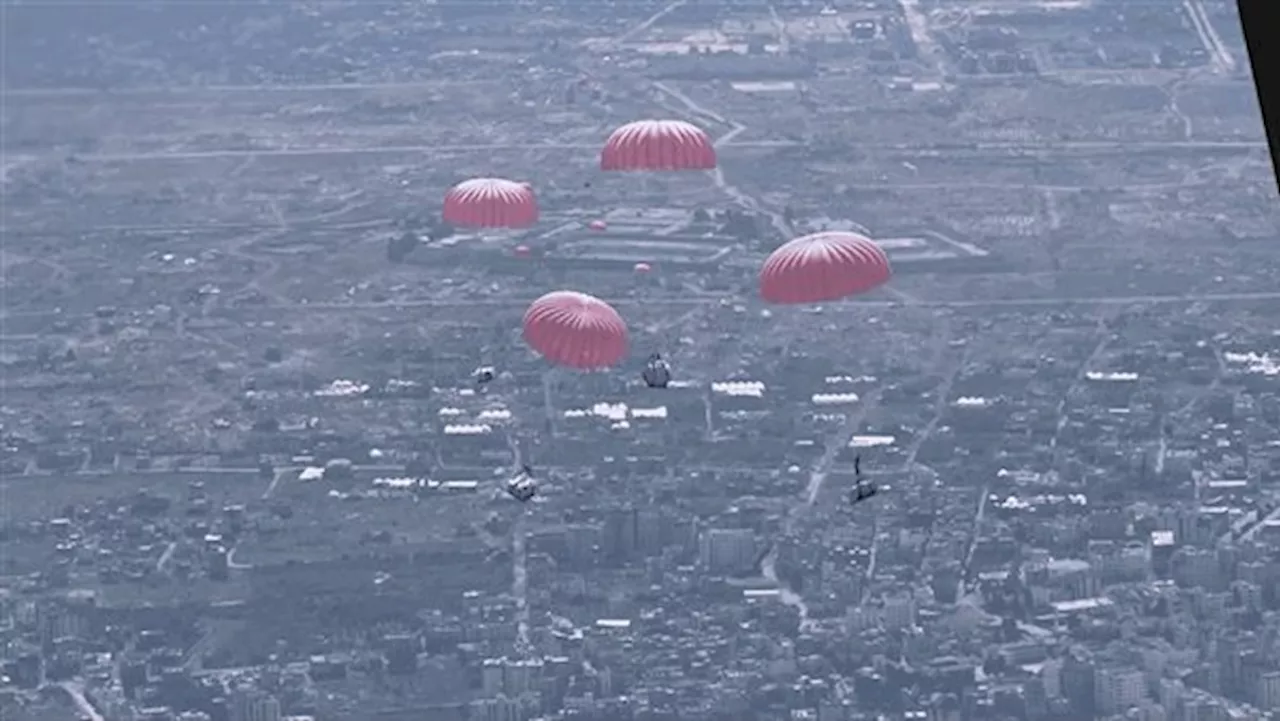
pixel 29 498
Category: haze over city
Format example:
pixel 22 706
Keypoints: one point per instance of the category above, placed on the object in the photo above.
pixel 707 360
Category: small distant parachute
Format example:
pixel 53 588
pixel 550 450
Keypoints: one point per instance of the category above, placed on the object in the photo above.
pixel 642 268
pixel 522 251
pixel 863 489
pixel 598 225
pixel 576 330
pixel 656 373
pixel 490 203
pixel 823 267
pixel 522 486
pixel 658 145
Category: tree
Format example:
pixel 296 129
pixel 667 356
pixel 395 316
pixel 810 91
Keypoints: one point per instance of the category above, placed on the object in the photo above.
pixel 267 425
pixel 399 247
pixel 339 470
pixel 442 229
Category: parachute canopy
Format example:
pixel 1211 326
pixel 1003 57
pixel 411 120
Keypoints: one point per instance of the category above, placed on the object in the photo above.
pixel 598 225
pixel 823 267
pixel 490 203
pixel 522 251
pixel 658 145
pixel 642 267
pixel 577 330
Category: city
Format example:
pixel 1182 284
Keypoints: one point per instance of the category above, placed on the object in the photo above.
pixel 248 474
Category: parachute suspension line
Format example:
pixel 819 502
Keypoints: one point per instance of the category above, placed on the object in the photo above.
pixel 708 414
pixel 549 399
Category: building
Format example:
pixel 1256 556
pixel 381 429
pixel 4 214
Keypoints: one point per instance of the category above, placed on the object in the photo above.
pixel 1117 690
pixel 251 705
pixel 899 612
pixel 1268 691
pixel 727 550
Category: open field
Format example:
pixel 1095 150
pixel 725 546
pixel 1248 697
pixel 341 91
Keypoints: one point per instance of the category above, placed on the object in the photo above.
pixel 329 527
pixel 253 121
pixel 46 496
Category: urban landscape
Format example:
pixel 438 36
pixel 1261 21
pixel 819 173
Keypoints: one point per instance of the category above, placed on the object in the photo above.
pixel 249 473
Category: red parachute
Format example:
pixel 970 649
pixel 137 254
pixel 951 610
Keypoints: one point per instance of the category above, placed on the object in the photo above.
pixel 577 330
pixel 598 225
pixel 642 267
pixel 823 267
pixel 658 145
pixel 490 203
pixel 522 251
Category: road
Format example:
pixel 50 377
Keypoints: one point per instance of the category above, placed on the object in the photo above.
pixel 1251 531
pixel 981 511
pixel 979 514
pixel 75 689
pixel 941 343
pixel 1104 338
pixel 873 562
pixel 235 565
pixel 784 37
pixel 215 633
pixel 648 23
pixel 276 479
pixel 520 558
pixel 519 529
pixel 323 220
pixel 89 472
pixel 746 201
pixel 273 311
pixel 1223 61
pixel 1176 416
pixel 211 470
pixel 717 175
pixel 918 24
pixel 520 581
pixel 1061 411
pixel 165 557
pixel 769 564
pixel 702 300
pixel 98 94
pixel 360 150
pixel 424 149
pixel 942 394
pixel 835 442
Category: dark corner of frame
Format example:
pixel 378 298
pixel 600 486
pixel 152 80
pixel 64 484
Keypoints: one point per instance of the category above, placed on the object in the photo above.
pixel 1257 17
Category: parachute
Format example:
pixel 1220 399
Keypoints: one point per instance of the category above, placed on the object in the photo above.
pixel 658 145
pixel 598 225
pixel 823 267
pixel 642 267
pixel 575 330
pixel 490 203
